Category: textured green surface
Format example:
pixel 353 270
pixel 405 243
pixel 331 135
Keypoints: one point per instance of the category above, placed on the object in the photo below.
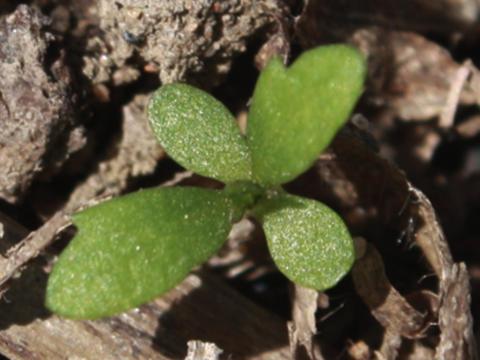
pixel 133 248
pixel 307 240
pixel 199 133
pixel 296 112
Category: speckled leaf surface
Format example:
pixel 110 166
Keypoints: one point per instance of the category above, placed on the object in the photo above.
pixel 296 112
pixel 199 132
pixel 131 249
pixel 307 240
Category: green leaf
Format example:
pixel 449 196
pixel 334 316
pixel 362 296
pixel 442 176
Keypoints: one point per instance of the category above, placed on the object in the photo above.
pixel 199 133
pixel 131 249
pixel 307 240
pixel 296 112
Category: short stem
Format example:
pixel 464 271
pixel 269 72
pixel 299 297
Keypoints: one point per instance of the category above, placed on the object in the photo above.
pixel 244 195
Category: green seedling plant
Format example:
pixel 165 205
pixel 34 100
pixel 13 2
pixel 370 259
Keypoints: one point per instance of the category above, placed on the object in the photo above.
pixel 134 248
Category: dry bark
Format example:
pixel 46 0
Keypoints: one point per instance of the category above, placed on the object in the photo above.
pixel 390 308
pixel 30 247
pixel 455 320
pixel 413 77
pixel 303 328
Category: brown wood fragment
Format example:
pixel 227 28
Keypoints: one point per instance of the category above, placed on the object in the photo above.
pixel 406 201
pixel 386 304
pixel 455 321
pixel 429 234
pixel 303 328
pixel 371 190
pixel 31 246
pixel 413 77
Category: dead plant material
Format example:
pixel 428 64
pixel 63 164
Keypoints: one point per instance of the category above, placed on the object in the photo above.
pixel 278 43
pixel 383 185
pixel 429 235
pixel 386 304
pixel 454 319
pixel 303 327
pixel 413 77
pixel 371 191
pixel 30 247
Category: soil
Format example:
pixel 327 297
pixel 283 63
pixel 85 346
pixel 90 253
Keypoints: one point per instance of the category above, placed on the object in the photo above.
pixel 404 173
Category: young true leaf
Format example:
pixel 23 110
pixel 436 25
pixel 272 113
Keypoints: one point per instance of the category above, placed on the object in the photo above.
pixel 199 133
pixel 307 240
pixel 296 112
pixel 133 248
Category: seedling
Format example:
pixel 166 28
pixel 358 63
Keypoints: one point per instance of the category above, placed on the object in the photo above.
pixel 131 249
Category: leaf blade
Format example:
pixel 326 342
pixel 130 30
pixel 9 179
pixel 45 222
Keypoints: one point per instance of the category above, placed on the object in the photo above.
pixel 133 248
pixel 296 111
pixel 308 241
pixel 199 133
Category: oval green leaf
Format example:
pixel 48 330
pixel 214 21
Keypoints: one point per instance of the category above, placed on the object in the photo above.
pixel 296 112
pixel 308 241
pixel 131 249
pixel 199 133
